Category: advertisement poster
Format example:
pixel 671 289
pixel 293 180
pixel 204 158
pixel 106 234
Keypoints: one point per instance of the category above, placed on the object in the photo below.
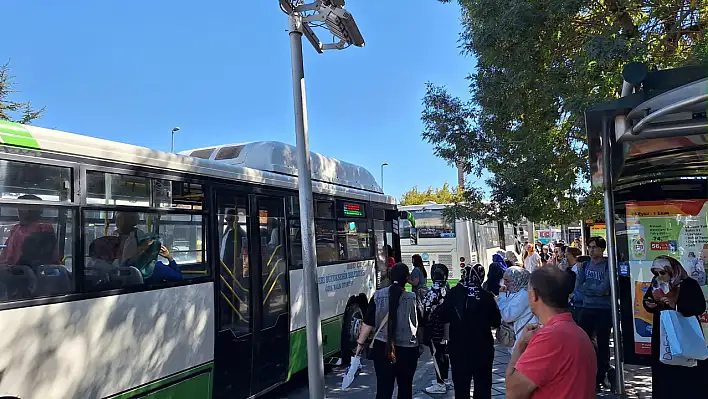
pixel 674 228
pixel 598 230
pixel 545 237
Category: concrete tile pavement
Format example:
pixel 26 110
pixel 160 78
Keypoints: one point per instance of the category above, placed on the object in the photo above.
pixel 637 381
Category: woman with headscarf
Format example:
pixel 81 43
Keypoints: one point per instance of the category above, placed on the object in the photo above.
pixel 672 289
pixel 472 313
pixel 496 273
pixel 435 330
pixel 393 316
pixel 514 301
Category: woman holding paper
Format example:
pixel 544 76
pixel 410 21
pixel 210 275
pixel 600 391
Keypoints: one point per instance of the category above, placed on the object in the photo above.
pixel 392 315
pixel 672 289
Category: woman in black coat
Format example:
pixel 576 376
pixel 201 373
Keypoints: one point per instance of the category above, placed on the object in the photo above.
pixel 685 296
pixel 472 313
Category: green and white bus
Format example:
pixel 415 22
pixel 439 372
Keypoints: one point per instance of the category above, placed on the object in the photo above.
pixel 87 312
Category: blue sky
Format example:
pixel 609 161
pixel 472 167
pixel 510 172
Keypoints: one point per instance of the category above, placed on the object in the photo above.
pixel 129 71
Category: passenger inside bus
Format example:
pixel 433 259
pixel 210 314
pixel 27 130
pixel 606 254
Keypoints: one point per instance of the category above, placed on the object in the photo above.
pixel 29 222
pixel 38 248
pixel 165 272
pixel 129 234
pixel 38 251
pixel 103 252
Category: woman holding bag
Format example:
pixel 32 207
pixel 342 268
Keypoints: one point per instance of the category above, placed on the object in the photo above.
pixel 393 316
pixel 672 289
pixel 514 301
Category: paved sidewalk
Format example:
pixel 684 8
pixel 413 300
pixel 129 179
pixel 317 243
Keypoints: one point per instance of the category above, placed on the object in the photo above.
pixel 637 381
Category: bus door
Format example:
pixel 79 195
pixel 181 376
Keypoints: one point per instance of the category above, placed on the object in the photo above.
pixel 270 281
pixel 233 352
pixel 392 235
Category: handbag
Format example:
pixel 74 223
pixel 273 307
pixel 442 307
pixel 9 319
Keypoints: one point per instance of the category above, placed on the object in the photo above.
pixel 505 335
pixel 684 335
pixel 370 352
pixel 665 355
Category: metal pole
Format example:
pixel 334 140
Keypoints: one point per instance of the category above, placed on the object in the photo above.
pixel 612 252
pixel 382 183
pixel 315 363
pixel 172 148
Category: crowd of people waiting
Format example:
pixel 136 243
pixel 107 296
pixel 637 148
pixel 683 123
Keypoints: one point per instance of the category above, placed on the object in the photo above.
pixel 551 309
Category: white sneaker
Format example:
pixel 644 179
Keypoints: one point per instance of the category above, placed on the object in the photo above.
pixel 448 383
pixel 436 388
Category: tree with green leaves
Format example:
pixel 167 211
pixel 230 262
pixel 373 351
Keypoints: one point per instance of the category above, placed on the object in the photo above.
pixel 443 195
pixel 540 65
pixel 13 111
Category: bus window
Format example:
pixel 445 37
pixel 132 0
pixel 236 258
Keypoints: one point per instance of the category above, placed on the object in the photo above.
pixel 325 232
pixel 36 243
pixel 325 242
pixel 354 240
pixel 430 223
pixel 273 266
pixel 46 182
pixel 234 284
pixel 113 189
pixel 183 235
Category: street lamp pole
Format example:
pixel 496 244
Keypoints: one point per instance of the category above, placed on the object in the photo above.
pixel 315 365
pixel 382 175
pixel 340 23
pixel 172 148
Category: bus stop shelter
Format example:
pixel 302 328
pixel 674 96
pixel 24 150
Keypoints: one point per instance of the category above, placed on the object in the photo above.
pixel 649 153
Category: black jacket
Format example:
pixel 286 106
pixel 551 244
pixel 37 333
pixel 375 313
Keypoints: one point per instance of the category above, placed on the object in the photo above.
pixel 471 322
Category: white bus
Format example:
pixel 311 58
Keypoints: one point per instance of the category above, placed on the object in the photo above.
pixel 439 241
pixel 88 313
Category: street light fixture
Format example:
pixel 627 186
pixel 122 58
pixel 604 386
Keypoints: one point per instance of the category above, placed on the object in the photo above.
pixel 340 23
pixel 174 129
pixel 382 166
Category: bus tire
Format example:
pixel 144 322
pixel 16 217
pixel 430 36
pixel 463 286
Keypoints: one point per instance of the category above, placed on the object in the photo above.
pixel 353 318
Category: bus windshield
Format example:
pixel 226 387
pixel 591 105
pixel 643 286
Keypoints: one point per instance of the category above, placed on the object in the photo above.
pixel 430 223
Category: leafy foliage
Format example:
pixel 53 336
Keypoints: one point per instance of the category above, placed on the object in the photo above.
pixel 20 112
pixel 443 195
pixel 540 65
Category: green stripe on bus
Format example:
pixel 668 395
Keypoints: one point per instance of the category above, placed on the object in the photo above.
pixel 331 340
pixel 12 133
pixel 194 383
pixel 450 282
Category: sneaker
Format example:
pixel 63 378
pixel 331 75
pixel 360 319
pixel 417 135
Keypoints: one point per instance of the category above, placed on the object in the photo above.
pixel 448 383
pixel 436 388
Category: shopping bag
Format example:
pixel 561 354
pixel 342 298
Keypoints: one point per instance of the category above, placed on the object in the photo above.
pixel 684 334
pixel 352 372
pixel 665 355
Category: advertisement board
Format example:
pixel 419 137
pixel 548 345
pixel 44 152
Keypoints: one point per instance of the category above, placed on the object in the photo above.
pixel 599 230
pixel 674 228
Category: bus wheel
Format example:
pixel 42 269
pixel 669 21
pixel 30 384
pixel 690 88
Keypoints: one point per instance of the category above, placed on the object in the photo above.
pixel 353 318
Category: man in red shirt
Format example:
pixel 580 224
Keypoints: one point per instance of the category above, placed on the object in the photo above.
pixel 556 361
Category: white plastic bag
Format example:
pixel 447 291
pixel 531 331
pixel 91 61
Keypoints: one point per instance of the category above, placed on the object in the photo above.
pixel 685 335
pixel 352 372
pixel 665 355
